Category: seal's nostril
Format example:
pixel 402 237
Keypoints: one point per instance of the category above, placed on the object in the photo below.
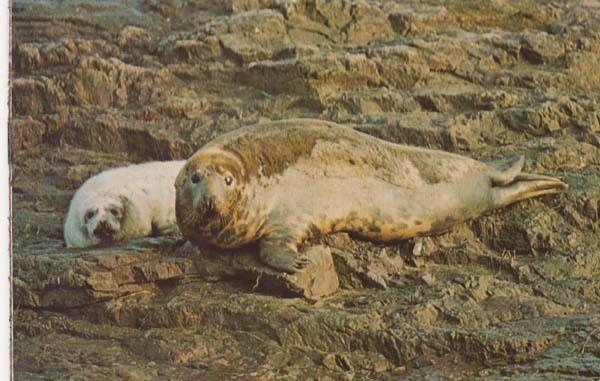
pixel 195 178
pixel 104 231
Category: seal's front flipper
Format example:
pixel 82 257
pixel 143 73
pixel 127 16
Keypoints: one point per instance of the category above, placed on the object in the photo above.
pixel 282 257
pixel 160 228
pixel 505 173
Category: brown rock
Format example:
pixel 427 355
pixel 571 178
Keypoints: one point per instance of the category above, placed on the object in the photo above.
pixel 190 51
pixel 133 37
pixel 26 133
pixel 36 56
pixel 36 96
pixel 317 280
pixel 540 48
pixel 420 19
pixel 509 295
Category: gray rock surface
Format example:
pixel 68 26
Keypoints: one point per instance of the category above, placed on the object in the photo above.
pixel 511 296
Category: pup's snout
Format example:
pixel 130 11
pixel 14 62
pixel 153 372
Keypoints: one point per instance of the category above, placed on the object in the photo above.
pixel 104 231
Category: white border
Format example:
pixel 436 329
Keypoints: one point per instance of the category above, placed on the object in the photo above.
pixel 5 259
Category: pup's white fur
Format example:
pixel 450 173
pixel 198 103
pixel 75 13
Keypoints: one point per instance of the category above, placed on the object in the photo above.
pixel 125 202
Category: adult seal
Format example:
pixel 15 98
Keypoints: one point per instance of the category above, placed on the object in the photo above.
pixel 283 182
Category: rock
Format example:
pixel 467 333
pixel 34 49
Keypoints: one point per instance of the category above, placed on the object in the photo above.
pixel 112 83
pixel 36 96
pixel 191 51
pixel 420 19
pixel 317 280
pixel 266 39
pixel 355 269
pixel 546 119
pixel 428 279
pixel 368 25
pixel 26 133
pixel 35 56
pixel 540 48
pixel 335 361
pixel 135 38
pixel 313 77
pixel 580 70
pixel 509 295
pixel 238 6
pixel 352 22
pixel 78 280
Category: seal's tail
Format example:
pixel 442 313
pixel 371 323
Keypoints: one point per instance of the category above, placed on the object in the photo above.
pixel 510 185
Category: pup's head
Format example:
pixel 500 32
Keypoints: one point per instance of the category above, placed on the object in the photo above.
pixel 102 219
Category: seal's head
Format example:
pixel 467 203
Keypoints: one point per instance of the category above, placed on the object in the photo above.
pixel 208 190
pixel 102 219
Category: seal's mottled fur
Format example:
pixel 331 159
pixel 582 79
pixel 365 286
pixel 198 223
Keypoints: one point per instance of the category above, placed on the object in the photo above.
pixel 283 182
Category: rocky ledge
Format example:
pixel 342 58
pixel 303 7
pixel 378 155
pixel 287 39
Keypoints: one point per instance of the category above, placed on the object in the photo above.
pixel 512 295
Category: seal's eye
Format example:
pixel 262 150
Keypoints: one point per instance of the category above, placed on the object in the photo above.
pixel 195 179
pixel 89 215
pixel 114 212
pixel 228 180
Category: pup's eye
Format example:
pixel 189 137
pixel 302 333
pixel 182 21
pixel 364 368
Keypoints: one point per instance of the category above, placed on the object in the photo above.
pixel 228 180
pixel 195 179
pixel 115 212
pixel 89 215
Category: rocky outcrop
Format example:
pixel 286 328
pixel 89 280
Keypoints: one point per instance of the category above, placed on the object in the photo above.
pixel 511 295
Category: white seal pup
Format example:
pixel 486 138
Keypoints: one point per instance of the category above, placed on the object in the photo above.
pixel 125 202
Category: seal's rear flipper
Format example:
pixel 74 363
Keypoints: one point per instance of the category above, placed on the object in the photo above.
pixel 533 177
pixel 505 173
pixel 510 185
pixel 526 185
